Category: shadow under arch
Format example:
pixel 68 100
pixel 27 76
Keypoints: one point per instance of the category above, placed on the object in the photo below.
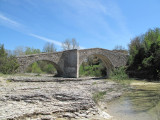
pixel 104 59
pixel 59 71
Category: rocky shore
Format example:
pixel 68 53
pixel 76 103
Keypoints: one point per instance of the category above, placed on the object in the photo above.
pixel 48 98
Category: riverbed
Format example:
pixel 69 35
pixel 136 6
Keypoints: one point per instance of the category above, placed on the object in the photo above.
pixel 49 98
pixel 142 102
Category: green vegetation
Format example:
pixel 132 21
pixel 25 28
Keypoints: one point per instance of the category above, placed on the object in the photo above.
pixel 119 74
pixel 144 55
pixel 8 64
pixel 36 68
pixel 95 70
pixel 144 58
pixel 94 83
pixel 41 67
pixel 93 66
pixel 98 96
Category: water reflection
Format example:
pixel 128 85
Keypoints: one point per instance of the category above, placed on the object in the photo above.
pixel 141 103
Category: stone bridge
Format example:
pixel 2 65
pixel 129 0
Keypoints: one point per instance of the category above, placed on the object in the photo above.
pixel 68 62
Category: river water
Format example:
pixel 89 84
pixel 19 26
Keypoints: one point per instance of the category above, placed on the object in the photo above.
pixel 140 103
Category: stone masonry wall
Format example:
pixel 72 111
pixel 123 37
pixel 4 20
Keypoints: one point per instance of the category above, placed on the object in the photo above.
pixel 67 62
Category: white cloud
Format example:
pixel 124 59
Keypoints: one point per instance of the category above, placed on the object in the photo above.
pixel 17 26
pixel 102 19
pixel 49 40
pixel 9 21
pixel 46 39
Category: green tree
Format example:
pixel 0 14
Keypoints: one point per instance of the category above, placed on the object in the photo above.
pixel 29 51
pixel 36 68
pixel 2 51
pixel 8 64
pixel 144 54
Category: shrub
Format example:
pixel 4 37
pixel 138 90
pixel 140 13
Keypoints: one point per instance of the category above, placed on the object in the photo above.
pixel 118 74
pixel 94 70
pixel 98 95
pixel 49 68
pixel 144 53
pixel 8 64
pixel 36 68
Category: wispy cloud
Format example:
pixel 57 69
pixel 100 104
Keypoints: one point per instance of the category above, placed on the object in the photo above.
pixel 102 19
pixel 6 20
pixel 46 39
pixel 16 25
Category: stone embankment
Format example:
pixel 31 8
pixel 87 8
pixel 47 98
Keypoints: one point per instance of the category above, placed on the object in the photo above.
pixel 48 98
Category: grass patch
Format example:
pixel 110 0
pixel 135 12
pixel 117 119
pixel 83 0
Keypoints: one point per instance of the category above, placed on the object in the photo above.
pixel 98 96
pixel 1 74
pixel 94 83
pixel 8 81
pixel 119 75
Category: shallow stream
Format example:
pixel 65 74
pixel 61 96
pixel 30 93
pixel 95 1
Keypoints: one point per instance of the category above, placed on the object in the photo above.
pixel 140 103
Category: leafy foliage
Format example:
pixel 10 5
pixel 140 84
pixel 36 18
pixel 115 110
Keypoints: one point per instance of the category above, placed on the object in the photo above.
pixel 41 67
pixel 119 74
pixel 144 53
pixel 93 66
pixel 29 51
pixel 36 68
pixel 8 64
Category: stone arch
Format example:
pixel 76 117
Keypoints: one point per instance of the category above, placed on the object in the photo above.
pixel 108 64
pixel 29 62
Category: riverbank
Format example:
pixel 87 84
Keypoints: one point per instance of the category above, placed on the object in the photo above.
pixel 48 98
pixel 142 102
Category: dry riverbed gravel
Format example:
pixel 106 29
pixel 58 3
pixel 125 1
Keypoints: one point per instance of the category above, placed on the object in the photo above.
pixel 48 98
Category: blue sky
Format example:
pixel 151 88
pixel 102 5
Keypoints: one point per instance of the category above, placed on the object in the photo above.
pixel 93 23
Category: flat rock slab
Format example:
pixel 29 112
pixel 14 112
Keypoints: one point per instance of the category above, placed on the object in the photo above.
pixel 24 98
pixel 47 79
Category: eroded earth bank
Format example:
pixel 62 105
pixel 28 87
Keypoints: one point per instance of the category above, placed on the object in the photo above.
pixel 48 98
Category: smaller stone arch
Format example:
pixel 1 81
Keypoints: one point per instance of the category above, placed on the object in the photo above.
pixel 24 63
